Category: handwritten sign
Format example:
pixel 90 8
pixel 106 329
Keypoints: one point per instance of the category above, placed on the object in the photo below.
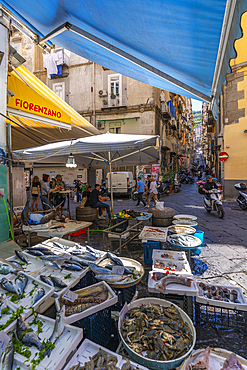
pixel 70 296
pixel 118 270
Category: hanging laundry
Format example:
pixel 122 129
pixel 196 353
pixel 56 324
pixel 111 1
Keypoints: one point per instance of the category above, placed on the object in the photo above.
pixel 50 63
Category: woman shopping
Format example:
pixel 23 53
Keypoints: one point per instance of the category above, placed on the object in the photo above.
pixel 152 192
pixel 35 193
pixel 46 191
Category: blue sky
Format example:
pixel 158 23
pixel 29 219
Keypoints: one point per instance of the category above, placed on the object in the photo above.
pixel 196 105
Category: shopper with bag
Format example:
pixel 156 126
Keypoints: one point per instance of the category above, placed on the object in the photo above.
pixel 35 192
pixel 153 191
pixel 58 186
pixel 46 193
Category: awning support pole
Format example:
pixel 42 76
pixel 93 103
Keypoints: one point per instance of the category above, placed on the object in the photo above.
pixel 109 156
pixel 10 178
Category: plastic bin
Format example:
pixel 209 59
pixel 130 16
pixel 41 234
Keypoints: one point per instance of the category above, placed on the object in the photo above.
pixel 97 327
pixel 79 232
pixel 148 248
pixel 119 228
pixel 199 234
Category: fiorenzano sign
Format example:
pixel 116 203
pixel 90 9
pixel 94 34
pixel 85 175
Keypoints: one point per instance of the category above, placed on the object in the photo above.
pixel 31 107
pixel 223 156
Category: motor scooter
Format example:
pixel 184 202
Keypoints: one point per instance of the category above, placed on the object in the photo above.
pixel 176 184
pixel 242 197
pixel 213 202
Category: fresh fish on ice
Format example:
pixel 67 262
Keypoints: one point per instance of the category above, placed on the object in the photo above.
pixel 199 361
pixel 35 253
pixel 99 270
pixel 172 279
pixel 59 325
pixel 114 259
pixel 21 283
pixel 112 278
pixel 47 280
pixel 3 301
pixel 29 338
pixel 21 257
pixel 38 295
pixel 9 286
pixel 7 357
pixel 6 269
pixel 57 282
pixel 71 266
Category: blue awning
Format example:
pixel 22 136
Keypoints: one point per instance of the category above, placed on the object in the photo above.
pixel 182 46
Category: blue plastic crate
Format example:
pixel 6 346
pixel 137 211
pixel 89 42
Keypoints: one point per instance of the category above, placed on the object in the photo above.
pixel 148 248
pixel 119 228
pixel 124 295
pixel 97 327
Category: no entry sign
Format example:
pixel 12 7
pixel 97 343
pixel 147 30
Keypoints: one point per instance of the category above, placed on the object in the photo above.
pixel 223 156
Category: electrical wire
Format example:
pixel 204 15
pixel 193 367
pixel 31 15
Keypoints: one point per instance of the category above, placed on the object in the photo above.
pixel 8 217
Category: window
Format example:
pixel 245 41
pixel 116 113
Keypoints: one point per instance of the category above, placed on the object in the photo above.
pixel 59 89
pixel 115 89
pixel 116 130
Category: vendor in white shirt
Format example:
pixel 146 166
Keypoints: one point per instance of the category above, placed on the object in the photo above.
pixel 152 192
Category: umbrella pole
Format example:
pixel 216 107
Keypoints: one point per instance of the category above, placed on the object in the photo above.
pixel 109 155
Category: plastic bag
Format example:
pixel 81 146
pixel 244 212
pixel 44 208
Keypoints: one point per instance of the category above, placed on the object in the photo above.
pixel 75 198
pixel 35 218
pixel 160 206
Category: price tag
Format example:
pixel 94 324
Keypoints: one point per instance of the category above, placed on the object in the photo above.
pixel 118 270
pixel 123 311
pixel 70 296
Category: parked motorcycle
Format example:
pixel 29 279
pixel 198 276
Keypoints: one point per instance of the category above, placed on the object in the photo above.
pixel 176 184
pixel 185 178
pixel 212 202
pixel 163 188
pixel 242 197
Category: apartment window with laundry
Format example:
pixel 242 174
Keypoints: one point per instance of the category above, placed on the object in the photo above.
pixel 115 127
pixel 115 89
pixel 59 89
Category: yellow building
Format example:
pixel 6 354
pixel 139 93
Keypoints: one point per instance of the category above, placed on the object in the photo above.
pixel 235 116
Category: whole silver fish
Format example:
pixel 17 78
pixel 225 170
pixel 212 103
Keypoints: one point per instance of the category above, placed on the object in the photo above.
pixel 52 264
pixel 99 270
pixel 8 357
pixel 3 301
pixel 47 280
pixel 93 251
pixel 6 269
pixel 39 294
pixel 30 338
pixel 80 260
pixel 111 278
pixel 59 325
pixel 85 255
pixel 9 286
pixel 21 256
pixel 114 259
pixel 58 245
pixel 71 266
pixel 57 259
pixel 17 264
pixel 21 283
pixel 57 282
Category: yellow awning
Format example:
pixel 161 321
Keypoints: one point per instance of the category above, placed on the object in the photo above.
pixel 38 115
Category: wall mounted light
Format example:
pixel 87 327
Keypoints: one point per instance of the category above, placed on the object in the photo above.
pixel 71 162
pixel 245 131
pixel 1 56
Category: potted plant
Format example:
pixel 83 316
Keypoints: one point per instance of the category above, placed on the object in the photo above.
pixel 105 102
pixel 113 96
pixel 170 175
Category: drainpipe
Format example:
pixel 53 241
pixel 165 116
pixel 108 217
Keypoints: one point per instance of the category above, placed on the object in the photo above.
pixel 10 177
pixel 4 48
pixel 94 113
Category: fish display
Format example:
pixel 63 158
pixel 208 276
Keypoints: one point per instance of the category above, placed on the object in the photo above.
pixel 44 250
pixel 6 269
pixel 112 278
pixel 17 264
pixel 7 358
pixel 35 253
pixel 232 363
pixel 3 301
pixel 169 266
pixel 180 229
pixel 52 264
pixel 9 286
pixel 199 361
pixel 47 280
pixel 115 259
pixel 184 240
pixel 219 293
pixel 21 256
pixel 99 270
pixel 101 360
pixel 156 332
pixel 38 295
pixel 71 266
pixel 87 298
pixel 172 279
pixel 58 326
pixel 57 282
pixel 21 283
pixel 27 336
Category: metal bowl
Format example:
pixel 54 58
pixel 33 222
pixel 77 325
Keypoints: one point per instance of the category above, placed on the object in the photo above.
pixel 185 217
pixel 185 222
pixel 198 242
pixel 154 364
pixel 181 229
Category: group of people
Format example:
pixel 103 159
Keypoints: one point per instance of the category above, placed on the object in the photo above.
pixel 149 188
pixel 51 194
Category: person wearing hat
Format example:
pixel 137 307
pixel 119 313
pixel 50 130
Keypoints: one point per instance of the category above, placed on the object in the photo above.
pixel 209 184
pixel 58 186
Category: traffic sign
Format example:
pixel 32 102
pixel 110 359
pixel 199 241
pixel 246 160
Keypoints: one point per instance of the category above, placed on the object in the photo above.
pixel 223 156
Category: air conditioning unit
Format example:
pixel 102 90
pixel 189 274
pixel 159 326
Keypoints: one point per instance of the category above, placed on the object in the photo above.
pixel 100 125
pixel 103 93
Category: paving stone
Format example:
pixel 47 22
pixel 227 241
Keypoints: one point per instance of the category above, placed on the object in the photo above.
pixel 227 251
pixel 221 263
pixel 240 278
pixel 208 252
pixel 218 280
